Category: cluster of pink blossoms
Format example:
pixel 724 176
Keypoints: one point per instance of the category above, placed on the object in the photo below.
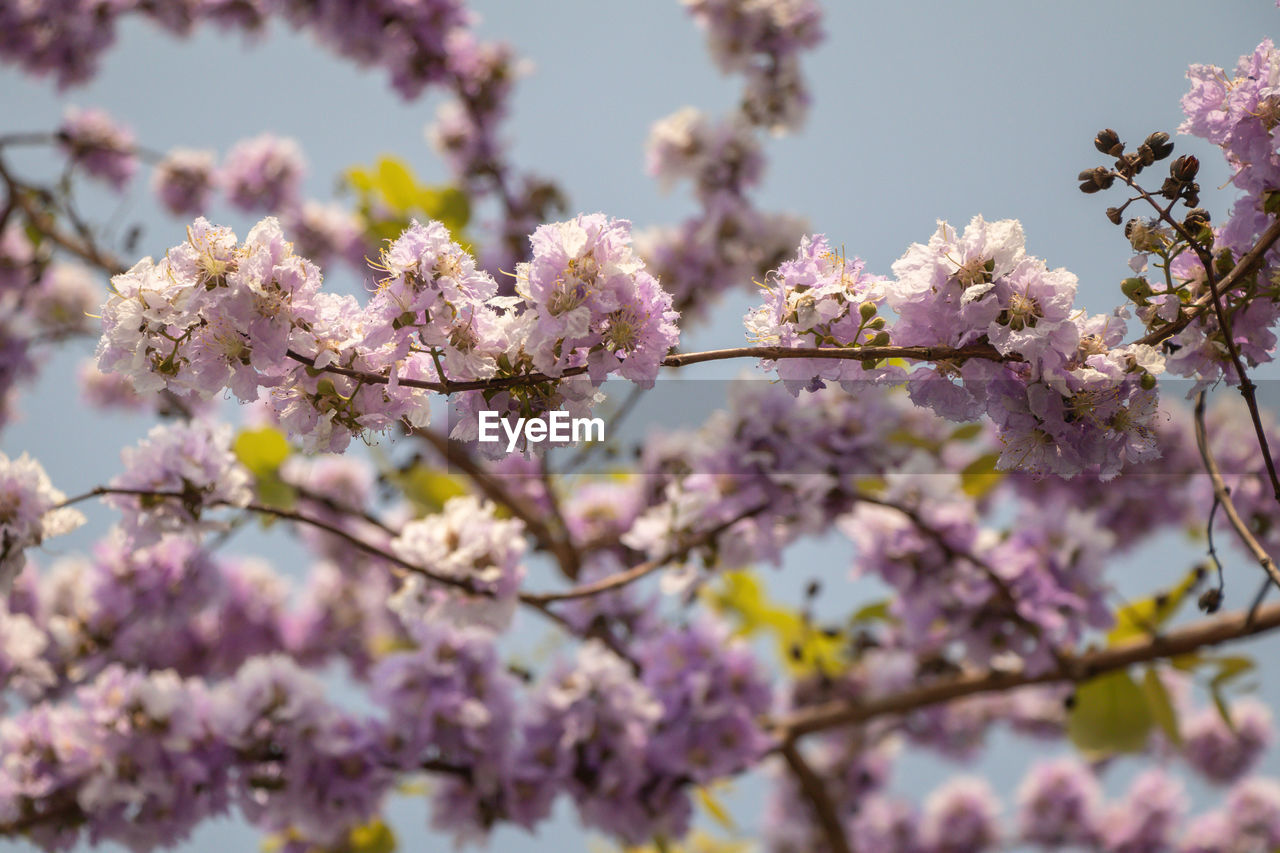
pixel 214 314
pixel 1064 393
pixel 409 40
pixel 729 241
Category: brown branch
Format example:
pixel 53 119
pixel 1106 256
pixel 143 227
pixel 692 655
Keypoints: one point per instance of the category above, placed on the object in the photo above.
pixel 289 515
pixel 771 353
pixel 635 573
pixel 815 791
pixel 1223 498
pixel 1206 632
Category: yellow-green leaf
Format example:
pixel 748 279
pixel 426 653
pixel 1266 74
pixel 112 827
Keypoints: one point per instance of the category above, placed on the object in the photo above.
pixel 1110 715
pixel 980 476
pixel 1161 706
pixel 802 648
pixel 261 450
pixel 1145 616
pixel 876 611
pixel 428 489
pixel 397 185
pixel 716 809
pixel 448 205
pixel 275 492
pixel 374 837
pixel 966 432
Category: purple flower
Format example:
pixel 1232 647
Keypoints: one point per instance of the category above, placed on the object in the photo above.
pixel 1144 822
pixel 183 180
pixel 191 461
pixel 1222 753
pixel 101 147
pixel 263 173
pixel 960 817
pixel 1059 804
pixel 28 514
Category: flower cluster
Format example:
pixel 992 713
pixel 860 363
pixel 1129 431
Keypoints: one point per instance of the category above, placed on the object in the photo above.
pixel 94 142
pixel 183 180
pixel 820 299
pixel 178 471
pixel 263 173
pixel 762 39
pixel 29 513
pixel 1064 395
pixel 729 241
pixel 214 314
pixel 468 544
pixel 411 41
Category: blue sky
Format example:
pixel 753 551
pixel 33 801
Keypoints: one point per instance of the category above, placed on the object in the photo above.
pixel 922 110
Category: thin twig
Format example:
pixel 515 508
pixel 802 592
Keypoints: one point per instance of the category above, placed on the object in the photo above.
pixel 1213 551
pixel 1223 494
pixel 635 573
pixel 289 515
pixel 1247 388
pixel 1257 600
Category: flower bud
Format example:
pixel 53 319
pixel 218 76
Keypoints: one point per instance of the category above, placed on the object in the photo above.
pixel 1136 290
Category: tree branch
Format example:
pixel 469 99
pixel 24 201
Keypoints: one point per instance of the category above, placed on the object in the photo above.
pixel 816 792
pixel 1206 632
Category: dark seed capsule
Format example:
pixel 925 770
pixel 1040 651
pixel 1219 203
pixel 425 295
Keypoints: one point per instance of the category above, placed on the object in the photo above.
pixel 1108 142
pixel 1159 144
pixel 1184 169
pixel 1113 213
pixel 1211 600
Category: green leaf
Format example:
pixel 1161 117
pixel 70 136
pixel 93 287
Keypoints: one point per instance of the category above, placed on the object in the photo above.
pixel 427 488
pixel 980 476
pixel 1231 667
pixel 1144 617
pixel 966 432
pixel 716 809
pixel 1271 202
pixel 397 185
pixel 1220 702
pixel 802 647
pixel 275 492
pixel 373 837
pixel 448 205
pixel 1161 706
pixel 261 450
pixel 1110 715
pixel 876 611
